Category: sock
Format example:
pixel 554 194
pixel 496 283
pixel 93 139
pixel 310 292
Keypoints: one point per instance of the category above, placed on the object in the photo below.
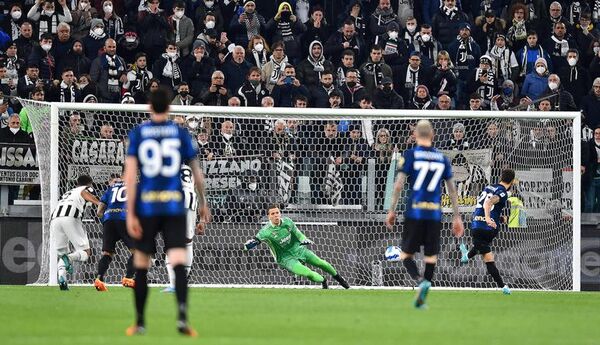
pixel 61 269
pixel 130 271
pixel 429 268
pixel 493 271
pixel 181 291
pixel 411 267
pixel 79 255
pixel 170 272
pixel 472 253
pixel 105 260
pixel 141 292
pixel 189 257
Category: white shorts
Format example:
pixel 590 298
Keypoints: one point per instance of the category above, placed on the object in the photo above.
pixel 191 223
pixel 68 229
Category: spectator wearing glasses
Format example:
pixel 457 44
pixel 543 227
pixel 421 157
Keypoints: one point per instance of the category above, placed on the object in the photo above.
pixel 519 26
pixel 546 25
pixel 273 70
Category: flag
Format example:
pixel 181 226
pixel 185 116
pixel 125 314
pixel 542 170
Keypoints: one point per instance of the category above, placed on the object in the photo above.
pixel 333 184
pixel 389 183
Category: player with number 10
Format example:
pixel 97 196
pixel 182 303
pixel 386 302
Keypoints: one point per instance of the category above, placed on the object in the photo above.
pixel 158 148
pixel 425 167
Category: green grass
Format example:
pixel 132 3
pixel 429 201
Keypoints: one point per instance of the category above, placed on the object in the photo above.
pixel 81 316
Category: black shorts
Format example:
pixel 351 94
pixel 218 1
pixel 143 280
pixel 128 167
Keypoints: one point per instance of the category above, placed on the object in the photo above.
pixel 114 230
pixel 173 229
pixel 482 240
pixel 417 233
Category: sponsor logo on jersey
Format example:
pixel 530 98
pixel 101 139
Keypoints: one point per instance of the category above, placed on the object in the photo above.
pixel 426 205
pixel 161 196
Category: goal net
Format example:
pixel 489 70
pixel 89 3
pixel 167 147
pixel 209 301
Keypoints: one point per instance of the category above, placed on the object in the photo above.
pixel 332 171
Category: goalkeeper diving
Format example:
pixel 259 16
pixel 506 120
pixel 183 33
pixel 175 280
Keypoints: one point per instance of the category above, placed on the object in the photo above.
pixel 289 247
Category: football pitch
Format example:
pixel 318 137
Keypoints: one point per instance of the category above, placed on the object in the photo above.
pixel 45 315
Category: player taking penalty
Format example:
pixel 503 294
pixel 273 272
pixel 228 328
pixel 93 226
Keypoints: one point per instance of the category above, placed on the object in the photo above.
pixel 156 203
pixel 485 225
pixel 288 246
pixel 424 167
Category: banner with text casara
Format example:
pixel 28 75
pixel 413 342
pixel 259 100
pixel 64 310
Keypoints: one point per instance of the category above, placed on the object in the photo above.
pixel 98 158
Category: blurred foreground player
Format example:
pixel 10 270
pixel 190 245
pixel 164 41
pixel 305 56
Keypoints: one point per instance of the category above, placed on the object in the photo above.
pixel 156 204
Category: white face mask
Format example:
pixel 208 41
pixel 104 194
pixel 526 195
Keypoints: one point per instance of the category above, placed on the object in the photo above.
pixel 209 4
pixel 46 47
pixel 426 37
pixel 83 5
pixel 227 136
pixel 82 86
pixel 411 28
pixel 49 13
pixel 14 130
pixel 393 35
pixel 108 9
pixel 553 86
pixel 251 186
pixel 596 50
pixel 16 15
pixel 572 61
pixel 540 69
pixel 129 39
pixel 99 31
pixel 210 24
pixel 179 14
pixel 171 54
pixel 259 47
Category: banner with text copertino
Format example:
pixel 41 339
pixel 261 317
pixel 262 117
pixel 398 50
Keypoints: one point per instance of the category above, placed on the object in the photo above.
pixel 18 164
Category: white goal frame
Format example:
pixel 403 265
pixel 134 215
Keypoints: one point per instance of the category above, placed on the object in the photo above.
pixel 324 114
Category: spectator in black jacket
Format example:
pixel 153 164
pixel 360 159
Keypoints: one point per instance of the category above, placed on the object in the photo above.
pixel 446 22
pixel 590 106
pixel 317 29
pixel 247 24
pixel 95 39
pixel 14 134
pixel 77 60
pixel 309 70
pixel 167 67
pixel 385 97
pixel 574 77
pixel 380 20
pixel 236 69
pixel 253 90
pixel 319 95
pixel 345 38
pixel 287 88
pixel 25 42
pixel 563 99
pixel 29 81
pixel 591 179
pixel 217 92
pixel 153 28
pixel 138 78
pixel 352 90
pixel 197 69
pixel 42 57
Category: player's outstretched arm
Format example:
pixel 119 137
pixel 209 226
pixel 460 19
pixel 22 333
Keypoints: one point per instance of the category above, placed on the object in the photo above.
pixel 251 243
pixel 458 228
pixel 398 185
pixel 89 197
pixel 203 210
pixel 134 228
pixel 101 209
pixel 487 209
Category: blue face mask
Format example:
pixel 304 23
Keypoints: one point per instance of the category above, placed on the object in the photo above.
pixel 507 91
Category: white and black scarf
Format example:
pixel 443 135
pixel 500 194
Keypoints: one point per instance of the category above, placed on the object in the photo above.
pixel 465 49
pixel 412 79
pixel 142 79
pixel 48 23
pixel 518 31
pixel 97 37
pixel 428 49
pixel 67 92
pixel 574 12
pixel 171 69
pixel 450 13
pixel 278 68
pixel 260 58
pixel 573 73
pixel 15 30
pixel 114 68
pixel 252 26
pixel 502 60
pixel 596 11
pixel 285 30
pixel 561 47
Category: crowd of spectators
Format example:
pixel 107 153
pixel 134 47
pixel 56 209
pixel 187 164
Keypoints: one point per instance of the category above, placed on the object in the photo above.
pixel 381 54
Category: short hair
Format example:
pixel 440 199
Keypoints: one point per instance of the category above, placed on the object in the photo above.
pixel 160 100
pixel 376 47
pixel 179 4
pixel 139 55
pixel 37 89
pixel 46 36
pixel 424 129
pixel 272 206
pixel 84 180
pixel 63 25
pixel 365 97
pixel 300 98
pixel 353 70
pixel 507 175
pixel 348 21
pixel 278 44
pixel 425 26
pixel 348 52
pixel 532 33
pixel 67 69
pixel 288 66
pixel 170 43
pixel 183 83
pixel 252 70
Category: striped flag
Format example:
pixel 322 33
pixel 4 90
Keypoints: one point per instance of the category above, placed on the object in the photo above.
pixel 333 183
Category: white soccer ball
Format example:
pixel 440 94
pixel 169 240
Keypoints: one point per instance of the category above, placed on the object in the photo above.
pixel 392 253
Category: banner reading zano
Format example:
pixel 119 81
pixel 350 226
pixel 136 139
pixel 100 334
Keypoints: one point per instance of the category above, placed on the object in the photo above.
pixel 18 164
pixel 98 158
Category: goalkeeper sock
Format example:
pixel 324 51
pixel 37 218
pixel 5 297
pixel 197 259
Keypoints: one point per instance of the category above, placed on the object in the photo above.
pixel 472 253
pixel 411 267
pixel 105 260
pixel 429 268
pixel 181 291
pixel 79 255
pixel 130 272
pixel 493 271
pixel 342 281
pixel 141 292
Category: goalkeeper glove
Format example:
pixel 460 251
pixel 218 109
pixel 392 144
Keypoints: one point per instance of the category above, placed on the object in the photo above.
pixel 306 242
pixel 251 244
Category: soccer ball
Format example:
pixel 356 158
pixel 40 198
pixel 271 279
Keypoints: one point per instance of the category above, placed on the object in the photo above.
pixel 392 253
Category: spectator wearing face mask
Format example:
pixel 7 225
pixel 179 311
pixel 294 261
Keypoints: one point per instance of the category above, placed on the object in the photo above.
pixel 82 19
pixel 182 29
pixel 574 78
pixel 409 32
pixel 395 51
pixel 203 10
pixel 95 39
pixel 129 46
pixel 562 99
pixel 183 96
pixel 258 51
pixel 197 69
pixel 113 24
pixel 42 56
pixel 253 90
pixel 385 97
pixel 44 13
pixel 536 82
pixel 427 45
pixel 507 97
pixel 12 26
pixel 167 68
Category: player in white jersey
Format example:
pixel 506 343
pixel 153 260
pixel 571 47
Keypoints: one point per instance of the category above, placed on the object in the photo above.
pixel 191 204
pixel 66 227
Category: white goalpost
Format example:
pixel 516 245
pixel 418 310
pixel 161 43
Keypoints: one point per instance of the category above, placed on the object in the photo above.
pixel 332 181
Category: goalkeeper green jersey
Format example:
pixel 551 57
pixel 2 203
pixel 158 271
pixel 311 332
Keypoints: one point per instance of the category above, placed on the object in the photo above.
pixel 283 239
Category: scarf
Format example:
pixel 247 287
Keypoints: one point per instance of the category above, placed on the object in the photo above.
pixel 517 31
pixel 15 30
pixel 596 11
pixel 316 63
pixel 278 68
pixel 228 150
pixel 67 92
pixel 464 50
pixel 28 80
pixel 12 67
pixel 409 38
pixel 113 64
pixel 97 37
pixel 412 79
pixel 502 60
pixel 47 23
pixel 574 12
pixel 171 69
pixel 573 74
pixel 285 30
pixel 450 13
pixel 252 26
pixel 176 29
pixel 260 58
pixel 561 47
pixel 421 103
pixel 429 49
pixel 114 26
pixel 142 79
